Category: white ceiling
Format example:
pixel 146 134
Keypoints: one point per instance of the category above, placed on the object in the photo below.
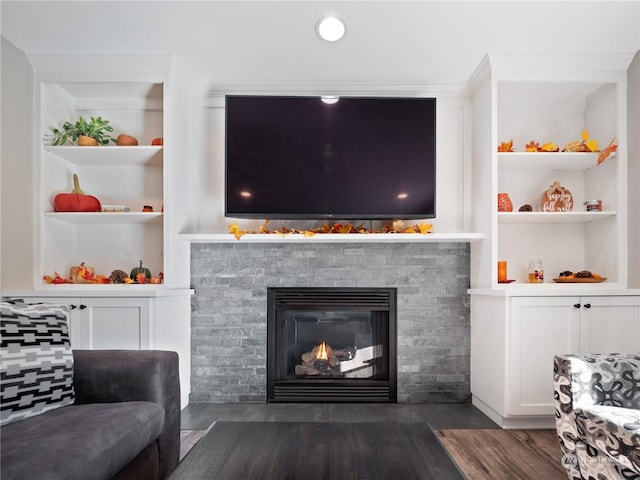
pixel 273 42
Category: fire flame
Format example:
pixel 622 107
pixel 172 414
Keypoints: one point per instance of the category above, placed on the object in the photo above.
pixel 323 351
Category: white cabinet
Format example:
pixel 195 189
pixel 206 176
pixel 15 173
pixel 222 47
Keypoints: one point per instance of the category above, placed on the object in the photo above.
pixel 540 328
pixel 609 324
pixel 108 320
pixel 514 340
pixel 545 326
pixel 107 323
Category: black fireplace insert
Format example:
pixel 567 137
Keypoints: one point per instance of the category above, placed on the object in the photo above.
pixel 331 345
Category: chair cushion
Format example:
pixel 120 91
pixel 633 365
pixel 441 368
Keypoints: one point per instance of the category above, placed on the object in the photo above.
pixel 93 441
pixel 614 431
pixel 37 362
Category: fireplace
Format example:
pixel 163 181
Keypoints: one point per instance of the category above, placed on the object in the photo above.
pixel 331 345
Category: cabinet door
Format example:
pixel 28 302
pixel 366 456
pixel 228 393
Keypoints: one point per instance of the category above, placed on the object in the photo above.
pixel 75 315
pixel 541 327
pixel 610 325
pixel 115 323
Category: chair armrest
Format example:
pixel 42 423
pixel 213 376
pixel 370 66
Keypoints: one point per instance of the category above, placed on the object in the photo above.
pixel 598 379
pixel 595 379
pixel 106 376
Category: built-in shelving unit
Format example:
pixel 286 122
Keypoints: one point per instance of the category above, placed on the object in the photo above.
pixel 137 95
pixel 132 176
pixel 516 328
pixel 553 102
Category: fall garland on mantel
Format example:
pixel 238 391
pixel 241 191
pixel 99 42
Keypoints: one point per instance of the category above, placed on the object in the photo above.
pixel 396 227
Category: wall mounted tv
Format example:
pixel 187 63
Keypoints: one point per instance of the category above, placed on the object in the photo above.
pixel 293 157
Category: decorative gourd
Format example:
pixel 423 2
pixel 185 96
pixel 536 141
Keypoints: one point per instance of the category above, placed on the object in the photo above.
pixel 556 199
pixel 140 271
pixel 76 201
pixel 81 274
pixel 504 203
pixel 126 140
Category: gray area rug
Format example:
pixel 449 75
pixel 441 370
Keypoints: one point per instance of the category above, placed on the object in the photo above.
pixel 310 450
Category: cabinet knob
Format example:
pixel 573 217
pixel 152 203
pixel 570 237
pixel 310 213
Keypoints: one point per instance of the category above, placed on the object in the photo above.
pixel 82 307
pixel 587 305
pixel 576 305
pixel 72 307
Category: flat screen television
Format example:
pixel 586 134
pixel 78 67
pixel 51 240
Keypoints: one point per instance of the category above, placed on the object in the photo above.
pixel 294 157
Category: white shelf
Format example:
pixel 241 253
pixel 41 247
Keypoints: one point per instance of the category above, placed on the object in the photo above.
pixel 106 218
pixel 523 161
pixel 552 217
pixel 96 290
pixel 332 238
pixel 109 155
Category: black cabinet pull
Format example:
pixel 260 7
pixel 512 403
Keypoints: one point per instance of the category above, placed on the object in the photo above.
pixel 72 307
pixel 576 305
pixel 587 305
pixel 82 307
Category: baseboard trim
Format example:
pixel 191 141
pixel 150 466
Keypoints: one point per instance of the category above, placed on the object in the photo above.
pixel 515 422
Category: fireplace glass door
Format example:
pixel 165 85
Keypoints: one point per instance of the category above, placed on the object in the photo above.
pixel 331 345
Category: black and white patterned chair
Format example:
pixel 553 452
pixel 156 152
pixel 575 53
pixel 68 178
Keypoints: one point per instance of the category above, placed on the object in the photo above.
pixel 597 406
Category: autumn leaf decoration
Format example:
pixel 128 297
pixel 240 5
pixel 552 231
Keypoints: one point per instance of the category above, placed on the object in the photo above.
pixel 506 146
pixel 611 148
pixel 341 228
pixel 533 146
pixel 584 145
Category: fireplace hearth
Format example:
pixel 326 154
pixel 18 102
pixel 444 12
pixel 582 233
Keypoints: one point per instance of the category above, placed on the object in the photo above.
pixel 331 345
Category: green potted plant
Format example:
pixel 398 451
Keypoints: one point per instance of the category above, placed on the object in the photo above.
pixel 84 133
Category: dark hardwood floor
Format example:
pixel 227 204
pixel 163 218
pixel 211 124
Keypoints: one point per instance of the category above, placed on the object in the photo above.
pixel 199 416
pixel 477 445
pixel 318 451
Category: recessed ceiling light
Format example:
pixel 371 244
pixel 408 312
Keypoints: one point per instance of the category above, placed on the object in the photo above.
pixel 330 29
pixel 330 99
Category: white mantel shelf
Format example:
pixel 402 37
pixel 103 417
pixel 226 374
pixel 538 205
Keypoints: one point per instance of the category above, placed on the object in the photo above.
pixel 333 238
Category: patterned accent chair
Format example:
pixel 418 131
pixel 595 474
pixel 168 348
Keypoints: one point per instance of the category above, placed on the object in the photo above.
pixel 597 406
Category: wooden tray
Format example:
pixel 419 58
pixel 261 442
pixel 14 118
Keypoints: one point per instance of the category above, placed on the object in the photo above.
pixel 579 280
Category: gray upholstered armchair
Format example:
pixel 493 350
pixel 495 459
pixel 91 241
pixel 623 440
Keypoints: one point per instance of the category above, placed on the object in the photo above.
pixel 597 403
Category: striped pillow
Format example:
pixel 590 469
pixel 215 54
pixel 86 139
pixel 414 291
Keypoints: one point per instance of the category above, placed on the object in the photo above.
pixel 36 373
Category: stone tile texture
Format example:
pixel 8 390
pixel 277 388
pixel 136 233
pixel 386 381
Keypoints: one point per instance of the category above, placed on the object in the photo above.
pixel 228 320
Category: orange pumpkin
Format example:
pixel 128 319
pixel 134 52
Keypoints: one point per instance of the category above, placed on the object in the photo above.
pixel 76 201
pixel 82 274
pixel 556 199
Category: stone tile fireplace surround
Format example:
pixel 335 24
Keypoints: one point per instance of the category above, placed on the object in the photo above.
pixel 229 311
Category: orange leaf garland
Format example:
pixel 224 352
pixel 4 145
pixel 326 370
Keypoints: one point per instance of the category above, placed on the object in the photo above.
pixel 234 229
pixel 397 227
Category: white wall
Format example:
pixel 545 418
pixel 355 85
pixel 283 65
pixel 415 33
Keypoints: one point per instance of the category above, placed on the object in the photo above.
pixel 452 162
pixel 16 172
pixel 633 119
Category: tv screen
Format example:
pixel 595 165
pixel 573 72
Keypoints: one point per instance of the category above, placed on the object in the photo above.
pixel 317 158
